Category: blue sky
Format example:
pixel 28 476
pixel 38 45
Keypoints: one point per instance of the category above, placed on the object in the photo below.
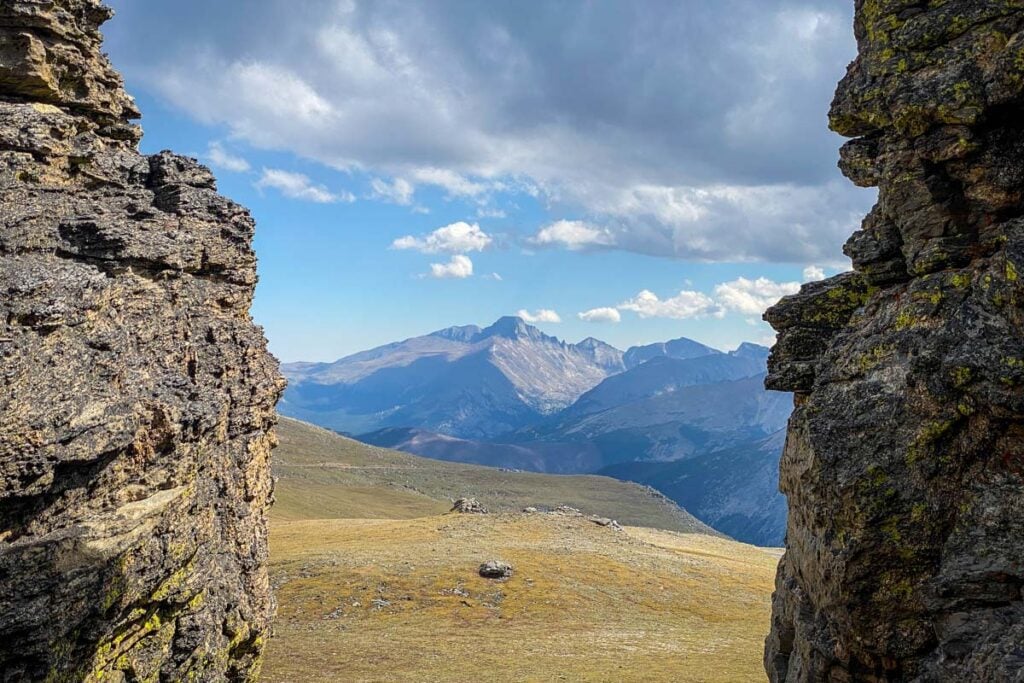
pixel 636 171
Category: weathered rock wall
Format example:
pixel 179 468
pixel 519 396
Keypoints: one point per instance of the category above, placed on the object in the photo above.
pixel 137 396
pixel 904 464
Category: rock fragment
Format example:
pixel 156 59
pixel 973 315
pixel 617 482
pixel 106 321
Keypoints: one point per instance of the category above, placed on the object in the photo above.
pixel 469 506
pixel 496 569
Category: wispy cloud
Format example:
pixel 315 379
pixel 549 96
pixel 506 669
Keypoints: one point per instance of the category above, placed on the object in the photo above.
pixel 604 314
pixel 299 186
pixel 541 315
pixel 221 158
pixel 572 235
pixel 399 191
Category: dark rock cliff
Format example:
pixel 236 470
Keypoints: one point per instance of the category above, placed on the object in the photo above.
pixel 137 396
pixel 904 463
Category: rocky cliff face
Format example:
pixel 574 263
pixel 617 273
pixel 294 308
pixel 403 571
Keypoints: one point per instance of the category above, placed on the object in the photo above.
pixel 904 463
pixel 137 396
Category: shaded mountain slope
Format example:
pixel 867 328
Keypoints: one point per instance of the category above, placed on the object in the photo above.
pixel 735 490
pixel 462 381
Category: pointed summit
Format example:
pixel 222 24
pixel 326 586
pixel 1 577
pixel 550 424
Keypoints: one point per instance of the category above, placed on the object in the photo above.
pixel 511 327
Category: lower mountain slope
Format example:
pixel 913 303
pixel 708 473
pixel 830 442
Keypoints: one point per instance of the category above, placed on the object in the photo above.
pixel 735 490
pixel 398 597
pixel 321 474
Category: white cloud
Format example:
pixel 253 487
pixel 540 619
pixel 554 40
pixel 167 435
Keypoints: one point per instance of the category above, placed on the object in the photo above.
pixel 605 314
pixel 453 183
pixel 572 235
pixel 753 297
pixel 542 315
pixel 686 304
pixel 475 101
pixel 458 237
pixel 298 186
pixel 813 274
pixel 399 191
pixel 458 267
pixel 221 158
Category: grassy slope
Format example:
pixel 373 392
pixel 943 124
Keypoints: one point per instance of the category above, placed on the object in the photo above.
pixel 324 475
pixel 586 603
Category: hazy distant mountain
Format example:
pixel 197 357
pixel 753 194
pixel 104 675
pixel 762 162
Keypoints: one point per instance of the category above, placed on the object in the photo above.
pixel 681 349
pixel 735 490
pixel 460 381
pixel 665 375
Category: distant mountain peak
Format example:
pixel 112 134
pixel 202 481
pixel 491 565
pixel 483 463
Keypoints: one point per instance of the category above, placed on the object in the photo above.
pixel 511 327
pixel 594 343
pixel 681 349
pixel 751 350
pixel 459 333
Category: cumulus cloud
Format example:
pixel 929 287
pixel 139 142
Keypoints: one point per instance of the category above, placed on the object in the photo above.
pixel 742 295
pixel 572 235
pixel 753 297
pixel 685 304
pixel 458 237
pixel 542 315
pixel 399 191
pixel 813 274
pixel 459 267
pixel 649 141
pixel 604 314
pixel 299 186
pixel 221 158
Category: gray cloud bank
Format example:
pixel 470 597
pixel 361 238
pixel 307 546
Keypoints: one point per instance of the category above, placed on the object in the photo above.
pixel 689 129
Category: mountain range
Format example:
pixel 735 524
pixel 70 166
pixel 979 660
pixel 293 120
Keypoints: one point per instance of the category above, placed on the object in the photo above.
pixel 687 419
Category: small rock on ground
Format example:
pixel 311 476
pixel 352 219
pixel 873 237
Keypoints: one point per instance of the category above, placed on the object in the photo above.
pixel 469 506
pixel 495 569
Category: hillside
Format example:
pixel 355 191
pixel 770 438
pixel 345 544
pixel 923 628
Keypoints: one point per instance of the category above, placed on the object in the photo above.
pixel 321 474
pixel 387 589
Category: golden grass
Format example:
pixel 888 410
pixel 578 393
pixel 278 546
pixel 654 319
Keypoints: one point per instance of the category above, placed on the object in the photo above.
pixel 586 603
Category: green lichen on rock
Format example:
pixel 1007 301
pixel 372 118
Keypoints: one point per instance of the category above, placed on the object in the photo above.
pixel 905 448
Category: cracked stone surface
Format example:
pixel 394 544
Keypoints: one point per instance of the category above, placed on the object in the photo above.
pixel 137 401
pixel 904 462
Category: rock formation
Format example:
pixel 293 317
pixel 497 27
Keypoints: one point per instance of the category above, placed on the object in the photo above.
pixel 137 396
pixel 904 463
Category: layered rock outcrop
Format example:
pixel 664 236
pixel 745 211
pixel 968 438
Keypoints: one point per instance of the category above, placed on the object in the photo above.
pixel 137 396
pixel 904 464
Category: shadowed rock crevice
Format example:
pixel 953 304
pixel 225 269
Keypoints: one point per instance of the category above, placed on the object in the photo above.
pixel 137 397
pixel 903 459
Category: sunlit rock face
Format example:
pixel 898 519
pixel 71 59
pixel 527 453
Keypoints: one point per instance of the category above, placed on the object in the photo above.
pixel 137 397
pixel 904 463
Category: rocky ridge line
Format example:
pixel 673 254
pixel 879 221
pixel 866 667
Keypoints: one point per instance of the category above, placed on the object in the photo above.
pixel 904 463
pixel 138 398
